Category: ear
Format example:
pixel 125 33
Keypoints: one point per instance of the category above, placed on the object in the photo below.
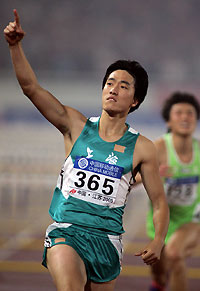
pixel 135 102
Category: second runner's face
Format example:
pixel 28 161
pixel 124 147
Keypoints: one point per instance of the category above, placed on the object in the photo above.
pixel 118 93
pixel 182 119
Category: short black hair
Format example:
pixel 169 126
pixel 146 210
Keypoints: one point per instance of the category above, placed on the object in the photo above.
pixel 179 97
pixel 137 72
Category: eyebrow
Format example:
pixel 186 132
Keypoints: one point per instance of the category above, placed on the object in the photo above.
pixel 122 81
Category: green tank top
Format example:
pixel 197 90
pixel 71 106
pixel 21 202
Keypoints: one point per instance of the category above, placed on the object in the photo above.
pixel 95 180
pixel 182 189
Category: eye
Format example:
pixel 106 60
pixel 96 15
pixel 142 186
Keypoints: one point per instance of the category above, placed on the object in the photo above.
pixel 190 113
pixel 124 87
pixel 109 83
pixel 178 112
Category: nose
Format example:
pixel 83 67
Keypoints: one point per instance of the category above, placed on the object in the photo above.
pixel 185 115
pixel 114 90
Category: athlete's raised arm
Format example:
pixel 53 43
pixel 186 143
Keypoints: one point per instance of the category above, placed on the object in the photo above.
pixel 61 116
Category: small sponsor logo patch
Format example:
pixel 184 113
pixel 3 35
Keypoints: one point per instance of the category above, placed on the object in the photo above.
pixel 119 148
pixel 72 191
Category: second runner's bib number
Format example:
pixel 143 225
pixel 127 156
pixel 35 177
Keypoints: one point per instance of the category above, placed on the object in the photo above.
pixel 181 191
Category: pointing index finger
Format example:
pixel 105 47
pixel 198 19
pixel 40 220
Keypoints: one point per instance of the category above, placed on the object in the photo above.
pixel 16 17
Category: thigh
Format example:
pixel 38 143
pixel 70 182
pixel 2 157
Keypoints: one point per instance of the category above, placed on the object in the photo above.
pixel 185 239
pixel 106 286
pixel 66 267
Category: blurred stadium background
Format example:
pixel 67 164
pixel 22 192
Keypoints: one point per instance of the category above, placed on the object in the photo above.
pixel 70 44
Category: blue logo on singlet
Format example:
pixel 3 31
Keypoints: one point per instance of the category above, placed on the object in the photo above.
pixel 82 163
pixel 98 167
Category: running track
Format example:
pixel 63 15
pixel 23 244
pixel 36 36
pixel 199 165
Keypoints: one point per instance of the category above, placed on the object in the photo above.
pixel 21 270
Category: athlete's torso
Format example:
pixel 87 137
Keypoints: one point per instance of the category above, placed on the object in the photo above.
pixel 95 180
pixel 183 188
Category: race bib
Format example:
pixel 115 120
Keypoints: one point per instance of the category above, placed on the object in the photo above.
pixel 95 181
pixel 181 191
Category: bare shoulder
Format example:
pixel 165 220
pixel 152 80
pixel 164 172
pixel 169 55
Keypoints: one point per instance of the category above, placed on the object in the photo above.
pixel 144 142
pixel 76 123
pixel 144 149
pixel 160 144
pixel 161 150
pixel 74 113
pixel 75 117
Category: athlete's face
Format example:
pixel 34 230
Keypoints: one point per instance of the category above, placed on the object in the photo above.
pixel 118 93
pixel 182 119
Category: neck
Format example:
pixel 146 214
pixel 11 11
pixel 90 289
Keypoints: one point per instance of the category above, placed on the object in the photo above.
pixel 111 128
pixel 183 147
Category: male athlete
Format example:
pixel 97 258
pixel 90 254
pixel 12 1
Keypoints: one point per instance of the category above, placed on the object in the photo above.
pixel 179 159
pixel 83 248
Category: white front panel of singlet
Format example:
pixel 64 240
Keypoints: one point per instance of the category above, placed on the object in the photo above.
pixel 95 181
